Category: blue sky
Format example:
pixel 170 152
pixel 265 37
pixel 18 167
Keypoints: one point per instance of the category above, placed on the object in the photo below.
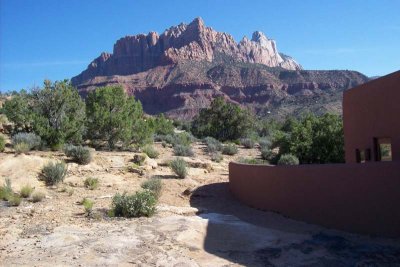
pixel 54 39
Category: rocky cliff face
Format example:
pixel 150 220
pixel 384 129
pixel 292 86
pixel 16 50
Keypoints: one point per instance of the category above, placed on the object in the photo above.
pixel 195 41
pixel 183 69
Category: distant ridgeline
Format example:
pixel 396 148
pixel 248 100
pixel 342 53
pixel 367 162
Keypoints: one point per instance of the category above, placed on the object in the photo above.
pixel 183 69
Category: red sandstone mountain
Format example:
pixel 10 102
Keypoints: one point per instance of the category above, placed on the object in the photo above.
pixel 184 68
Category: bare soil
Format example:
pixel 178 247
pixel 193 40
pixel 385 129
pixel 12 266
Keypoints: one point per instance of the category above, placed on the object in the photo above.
pixel 198 222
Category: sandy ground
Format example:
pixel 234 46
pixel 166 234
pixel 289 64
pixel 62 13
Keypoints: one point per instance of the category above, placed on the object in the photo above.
pixel 205 228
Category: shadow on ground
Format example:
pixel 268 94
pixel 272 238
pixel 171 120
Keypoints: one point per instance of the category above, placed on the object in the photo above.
pixel 251 237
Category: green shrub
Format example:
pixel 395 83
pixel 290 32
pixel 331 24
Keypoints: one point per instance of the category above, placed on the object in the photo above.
pixel 79 154
pixel 264 143
pixel 30 140
pixel 179 167
pixel 26 191
pixel 2 143
pixel 38 196
pixel 288 159
pixel 162 125
pixel 6 190
pixel 154 185
pixel 182 150
pixel 91 183
pixel 223 121
pixel 151 152
pixel 21 148
pixel 87 205
pixel 14 200
pixel 54 173
pixel 253 161
pixel 247 142
pixel 213 145
pixel 111 115
pixel 217 157
pixel 142 203
pixel 139 159
pixel 269 155
pixel 229 149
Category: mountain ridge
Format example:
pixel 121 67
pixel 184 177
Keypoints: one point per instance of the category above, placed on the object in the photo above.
pixel 181 70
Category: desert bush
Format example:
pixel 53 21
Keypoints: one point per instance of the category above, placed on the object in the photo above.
pixel 247 142
pixel 54 173
pixel 79 154
pixel 87 205
pixel 229 149
pixel 162 125
pixel 21 148
pixel 26 191
pixel 142 203
pixel 151 152
pixel 2 143
pixel 30 140
pixel 253 161
pixel 111 115
pixel 37 196
pixel 213 145
pixel 314 139
pixel 14 200
pixel 269 155
pixel 154 185
pixel 6 190
pixel 58 113
pixel 18 111
pixel 91 183
pixel 139 159
pixel 223 121
pixel 179 167
pixel 264 143
pixel 217 157
pixel 182 150
pixel 288 159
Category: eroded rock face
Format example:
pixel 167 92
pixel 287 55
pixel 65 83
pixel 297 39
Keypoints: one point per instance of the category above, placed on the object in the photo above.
pixel 184 68
pixel 194 41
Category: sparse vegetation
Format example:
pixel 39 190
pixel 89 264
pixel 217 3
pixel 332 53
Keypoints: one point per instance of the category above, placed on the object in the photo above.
pixel 151 152
pixel 2 143
pixel 91 183
pixel 229 149
pixel 213 145
pixel 79 154
pixel 253 161
pixel 21 148
pixel 87 205
pixel 217 157
pixel 288 159
pixel 154 185
pixel 264 143
pixel 6 190
pixel 14 200
pixel 23 142
pixel 139 159
pixel 142 203
pixel 183 150
pixel 269 155
pixel 247 142
pixel 54 173
pixel 37 196
pixel 26 191
pixel 179 167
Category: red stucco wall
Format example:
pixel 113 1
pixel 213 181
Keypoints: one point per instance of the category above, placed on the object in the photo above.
pixel 372 110
pixel 363 198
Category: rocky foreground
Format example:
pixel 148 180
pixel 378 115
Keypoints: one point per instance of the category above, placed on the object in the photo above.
pixel 198 222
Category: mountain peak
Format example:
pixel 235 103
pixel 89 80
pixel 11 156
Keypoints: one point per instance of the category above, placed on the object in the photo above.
pixel 198 22
pixel 258 36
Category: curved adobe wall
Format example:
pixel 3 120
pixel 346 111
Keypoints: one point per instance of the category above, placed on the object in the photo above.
pixel 363 198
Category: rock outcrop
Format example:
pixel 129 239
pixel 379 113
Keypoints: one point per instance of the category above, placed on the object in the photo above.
pixel 194 41
pixel 183 69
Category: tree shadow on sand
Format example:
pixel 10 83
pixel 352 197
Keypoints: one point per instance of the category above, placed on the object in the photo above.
pixel 251 237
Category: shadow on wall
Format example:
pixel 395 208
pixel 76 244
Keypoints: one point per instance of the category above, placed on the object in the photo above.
pixel 251 237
